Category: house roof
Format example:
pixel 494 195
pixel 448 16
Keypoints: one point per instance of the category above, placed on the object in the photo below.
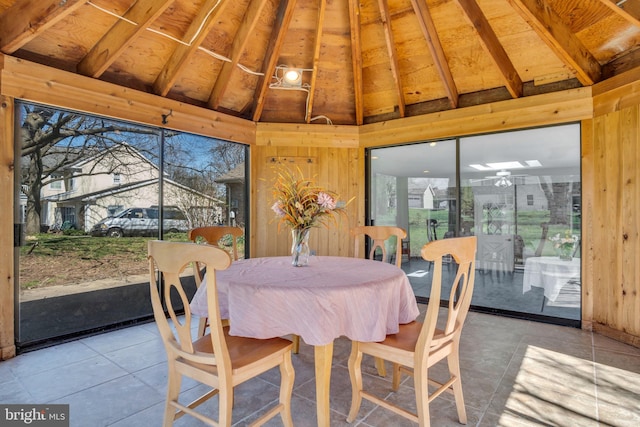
pixel 361 61
pixel 235 175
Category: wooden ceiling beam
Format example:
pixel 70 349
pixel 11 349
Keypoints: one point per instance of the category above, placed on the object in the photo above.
pixel 27 19
pixel 557 35
pixel 136 20
pixel 629 10
pixel 280 27
pixel 393 58
pixel 356 58
pixel 435 47
pixel 241 40
pixel 316 58
pixel 198 30
pixel 492 46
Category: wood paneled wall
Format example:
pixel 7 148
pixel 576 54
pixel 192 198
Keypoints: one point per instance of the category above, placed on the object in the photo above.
pixel 613 166
pixel 328 155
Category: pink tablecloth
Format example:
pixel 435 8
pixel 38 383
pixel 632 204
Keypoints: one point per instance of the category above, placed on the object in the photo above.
pixel 331 297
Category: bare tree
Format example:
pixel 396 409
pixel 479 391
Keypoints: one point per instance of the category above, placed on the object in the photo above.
pixel 52 141
pixel 197 163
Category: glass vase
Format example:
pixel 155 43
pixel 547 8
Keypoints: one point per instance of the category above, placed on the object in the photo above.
pixel 565 253
pixel 299 247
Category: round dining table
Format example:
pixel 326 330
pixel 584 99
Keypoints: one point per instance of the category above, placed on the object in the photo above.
pixel 551 274
pixel 331 297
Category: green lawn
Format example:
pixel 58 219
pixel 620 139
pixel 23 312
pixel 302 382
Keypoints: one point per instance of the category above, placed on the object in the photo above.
pixel 90 248
pixel 72 258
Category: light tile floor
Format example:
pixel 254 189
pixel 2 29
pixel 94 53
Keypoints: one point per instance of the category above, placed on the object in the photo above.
pixel 514 373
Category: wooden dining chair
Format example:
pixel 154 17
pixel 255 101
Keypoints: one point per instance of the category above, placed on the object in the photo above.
pixel 213 235
pixel 419 345
pixel 379 234
pixel 217 359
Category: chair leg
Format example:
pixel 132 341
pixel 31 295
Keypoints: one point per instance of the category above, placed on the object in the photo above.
pixel 174 380
pixel 382 371
pixel 454 370
pixel 225 405
pixel 287 377
pixel 422 397
pixel 397 376
pixel 295 339
pixel 355 373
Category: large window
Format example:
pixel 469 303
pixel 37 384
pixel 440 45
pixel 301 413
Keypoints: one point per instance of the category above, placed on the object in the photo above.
pixel 518 192
pixel 92 199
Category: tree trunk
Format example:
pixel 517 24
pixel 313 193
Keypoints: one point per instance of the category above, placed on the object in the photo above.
pixel 558 196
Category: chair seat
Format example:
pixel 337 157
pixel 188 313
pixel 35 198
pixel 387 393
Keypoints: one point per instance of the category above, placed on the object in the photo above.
pixel 407 337
pixel 244 351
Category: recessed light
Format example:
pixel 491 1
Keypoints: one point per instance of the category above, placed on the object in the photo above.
pixel 293 76
pixel 480 167
pixel 506 165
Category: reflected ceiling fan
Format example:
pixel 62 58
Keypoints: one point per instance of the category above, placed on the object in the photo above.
pixel 503 178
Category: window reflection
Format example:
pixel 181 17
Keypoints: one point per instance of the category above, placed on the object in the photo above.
pixel 519 192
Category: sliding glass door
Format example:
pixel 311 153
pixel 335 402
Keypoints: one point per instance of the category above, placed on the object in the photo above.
pixel 92 192
pixel 518 192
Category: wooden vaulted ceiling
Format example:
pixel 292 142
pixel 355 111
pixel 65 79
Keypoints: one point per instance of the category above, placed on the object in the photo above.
pixel 363 61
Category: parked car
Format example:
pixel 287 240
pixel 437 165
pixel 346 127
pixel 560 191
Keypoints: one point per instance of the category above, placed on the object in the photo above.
pixel 140 222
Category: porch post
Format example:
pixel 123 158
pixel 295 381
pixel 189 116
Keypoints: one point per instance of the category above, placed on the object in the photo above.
pixel 7 338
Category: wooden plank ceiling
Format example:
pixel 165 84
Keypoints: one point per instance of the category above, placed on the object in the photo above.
pixel 361 61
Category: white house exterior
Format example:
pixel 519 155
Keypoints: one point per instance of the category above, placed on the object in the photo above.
pixel 97 187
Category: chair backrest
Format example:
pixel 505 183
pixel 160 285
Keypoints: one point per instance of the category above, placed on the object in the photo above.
pixel 379 234
pixel 168 261
pixel 213 234
pixel 463 250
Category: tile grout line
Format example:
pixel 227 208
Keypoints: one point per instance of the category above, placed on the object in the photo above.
pixel 595 378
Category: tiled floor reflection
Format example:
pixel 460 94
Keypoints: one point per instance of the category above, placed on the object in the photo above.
pixel 515 373
pixel 502 291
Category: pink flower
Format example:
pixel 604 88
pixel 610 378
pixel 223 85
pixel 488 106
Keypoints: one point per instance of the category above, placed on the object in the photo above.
pixel 277 208
pixel 326 201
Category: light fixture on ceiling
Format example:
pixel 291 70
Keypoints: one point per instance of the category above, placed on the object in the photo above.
pixel 503 180
pixel 292 77
pixel 285 77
